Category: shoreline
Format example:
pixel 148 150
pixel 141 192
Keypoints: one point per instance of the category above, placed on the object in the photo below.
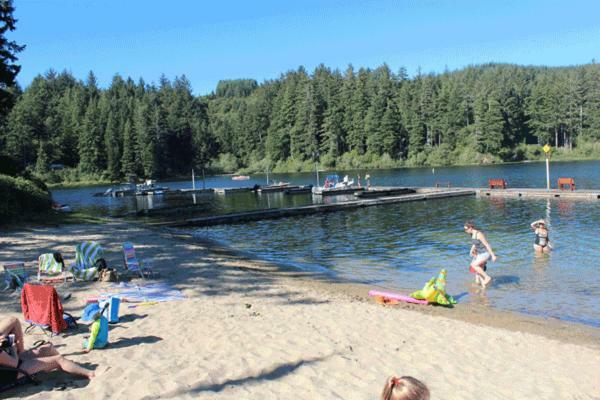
pixel 551 328
pixel 254 329
pixel 91 184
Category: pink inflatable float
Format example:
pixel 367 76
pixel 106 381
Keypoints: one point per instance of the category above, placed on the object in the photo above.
pixel 396 296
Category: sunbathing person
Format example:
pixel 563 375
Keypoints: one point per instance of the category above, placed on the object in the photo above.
pixel 41 359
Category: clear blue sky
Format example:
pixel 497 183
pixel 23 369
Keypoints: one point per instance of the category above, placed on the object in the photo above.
pixel 212 40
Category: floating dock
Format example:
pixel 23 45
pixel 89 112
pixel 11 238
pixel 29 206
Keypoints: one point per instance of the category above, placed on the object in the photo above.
pixel 196 191
pixel 420 195
pixel 540 193
pixel 383 192
pixel 233 190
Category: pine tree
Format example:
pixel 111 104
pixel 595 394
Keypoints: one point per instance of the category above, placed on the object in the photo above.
pixel 8 56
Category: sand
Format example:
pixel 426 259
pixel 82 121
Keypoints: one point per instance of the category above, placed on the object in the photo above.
pixel 249 329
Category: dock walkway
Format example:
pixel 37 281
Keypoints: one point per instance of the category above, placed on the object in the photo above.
pixel 540 193
pixel 422 194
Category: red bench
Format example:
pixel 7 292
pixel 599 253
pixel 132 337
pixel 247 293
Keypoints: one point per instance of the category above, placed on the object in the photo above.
pixel 562 182
pixel 500 183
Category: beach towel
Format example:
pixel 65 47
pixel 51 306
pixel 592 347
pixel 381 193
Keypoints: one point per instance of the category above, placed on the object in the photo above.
pixel 86 256
pixel 131 293
pixel 41 307
pixel 49 265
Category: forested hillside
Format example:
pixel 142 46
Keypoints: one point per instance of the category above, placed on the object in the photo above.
pixel 350 119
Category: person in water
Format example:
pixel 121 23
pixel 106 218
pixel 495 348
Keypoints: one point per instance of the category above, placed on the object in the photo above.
pixel 481 251
pixel 542 241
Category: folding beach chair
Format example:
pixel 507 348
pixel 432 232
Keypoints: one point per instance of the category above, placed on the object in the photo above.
pixel 15 274
pixel 86 256
pixel 42 308
pixel 48 265
pixel 132 264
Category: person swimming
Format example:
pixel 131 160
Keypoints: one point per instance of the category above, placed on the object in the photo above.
pixel 542 239
pixel 481 251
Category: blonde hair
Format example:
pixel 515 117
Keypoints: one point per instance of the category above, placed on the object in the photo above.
pixel 404 388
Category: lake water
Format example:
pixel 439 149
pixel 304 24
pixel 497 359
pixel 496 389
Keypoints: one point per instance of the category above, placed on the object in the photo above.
pixel 526 175
pixel 403 245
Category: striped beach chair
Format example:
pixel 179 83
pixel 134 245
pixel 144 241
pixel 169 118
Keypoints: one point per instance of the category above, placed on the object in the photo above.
pixel 86 255
pixel 50 270
pixel 132 264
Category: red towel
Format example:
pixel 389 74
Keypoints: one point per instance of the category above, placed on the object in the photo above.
pixel 41 305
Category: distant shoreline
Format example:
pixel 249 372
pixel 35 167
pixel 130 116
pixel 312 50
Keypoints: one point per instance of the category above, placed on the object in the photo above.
pixel 182 178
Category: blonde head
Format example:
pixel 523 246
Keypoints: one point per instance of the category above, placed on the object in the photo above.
pixel 404 388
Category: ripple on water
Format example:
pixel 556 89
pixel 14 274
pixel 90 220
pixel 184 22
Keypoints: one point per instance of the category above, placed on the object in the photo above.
pixel 403 245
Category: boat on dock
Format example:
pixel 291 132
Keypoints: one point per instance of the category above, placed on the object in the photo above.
pixel 150 188
pixel 277 187
pixel 334 186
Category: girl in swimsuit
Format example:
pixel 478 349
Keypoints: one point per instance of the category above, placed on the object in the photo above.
pixel 542 241
pixel 481 251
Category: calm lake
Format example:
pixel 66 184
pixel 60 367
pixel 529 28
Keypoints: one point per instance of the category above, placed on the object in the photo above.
pixel 401 246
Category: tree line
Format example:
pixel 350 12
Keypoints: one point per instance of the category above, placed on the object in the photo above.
pixel 351 119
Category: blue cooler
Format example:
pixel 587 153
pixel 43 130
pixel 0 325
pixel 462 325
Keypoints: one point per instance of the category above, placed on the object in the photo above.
pixel 112 312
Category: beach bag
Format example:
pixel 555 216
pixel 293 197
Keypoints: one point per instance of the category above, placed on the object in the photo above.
pixel 100 264
pixel 109 275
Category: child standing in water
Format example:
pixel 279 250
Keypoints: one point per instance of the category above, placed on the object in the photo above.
pixel 542 241
pixel 481 251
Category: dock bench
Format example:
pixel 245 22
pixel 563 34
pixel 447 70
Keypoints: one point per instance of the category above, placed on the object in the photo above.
pixel 562 182
pixel 499 183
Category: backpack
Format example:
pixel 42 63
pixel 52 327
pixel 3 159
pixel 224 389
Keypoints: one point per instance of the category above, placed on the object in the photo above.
pixel 108 275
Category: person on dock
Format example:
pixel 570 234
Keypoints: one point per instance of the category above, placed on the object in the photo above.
pixel 481 251
pixel 542 240
pixel 368 179
pixel 404 388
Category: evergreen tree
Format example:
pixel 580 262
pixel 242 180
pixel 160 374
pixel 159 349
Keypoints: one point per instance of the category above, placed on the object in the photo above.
pixel 8 56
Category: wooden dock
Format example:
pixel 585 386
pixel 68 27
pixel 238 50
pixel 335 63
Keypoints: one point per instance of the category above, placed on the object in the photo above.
pixel 233 190
pixel 422 194
pixel 540 193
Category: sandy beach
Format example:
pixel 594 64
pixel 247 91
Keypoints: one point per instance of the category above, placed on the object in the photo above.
pixel 249 329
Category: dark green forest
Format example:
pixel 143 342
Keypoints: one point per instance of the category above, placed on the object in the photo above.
pixel 365 118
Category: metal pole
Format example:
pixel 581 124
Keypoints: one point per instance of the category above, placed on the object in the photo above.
pixel 317 169
pixel 203 180
pixel 193 181
pixel 547 173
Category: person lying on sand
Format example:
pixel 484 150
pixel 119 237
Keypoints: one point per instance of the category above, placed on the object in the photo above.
pixel 44 358
pixel 404 388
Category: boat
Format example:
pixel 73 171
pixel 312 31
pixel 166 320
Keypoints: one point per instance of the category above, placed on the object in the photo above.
pixel 333 186
pixel 277 187
pixel 240 178
pixel 61 207
pixel 299 190
pixel 149 187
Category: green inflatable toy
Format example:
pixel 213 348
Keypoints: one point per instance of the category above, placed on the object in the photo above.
pixel 434 291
